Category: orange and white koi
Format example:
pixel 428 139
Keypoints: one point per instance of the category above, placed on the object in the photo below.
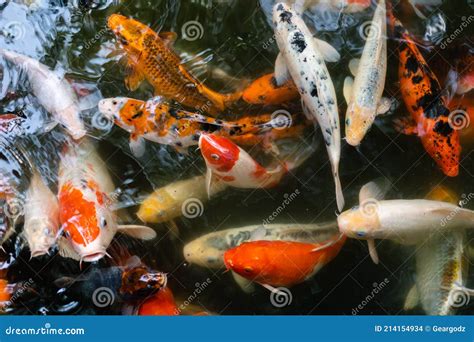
pixel 85 208
pixel 54 93
pixel 228 163
pixel 424 100
pixel 281 263
pixel 156 121
pixel 265 91
pixel 150 57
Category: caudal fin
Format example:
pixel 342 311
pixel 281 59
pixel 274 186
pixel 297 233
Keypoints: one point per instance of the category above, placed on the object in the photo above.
pixel 339 194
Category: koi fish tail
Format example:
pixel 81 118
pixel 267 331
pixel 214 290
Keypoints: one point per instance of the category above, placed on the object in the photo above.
pixel 221 101
pixel 339 194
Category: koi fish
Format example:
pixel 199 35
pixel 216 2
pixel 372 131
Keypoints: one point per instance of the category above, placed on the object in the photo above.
pixel 440 268
pixel 85 209
pixel 404 221
pixel 208 250
pixel 41 217
pixel 302 58
pixel 265 91
pixel 54 93
pixel 424 100
pixel 364 93
pixel 172 200
pixel 228 163
pixel 150 57
pixel 162 303
pixel 466 74
pixel 281 263
pixel 156 121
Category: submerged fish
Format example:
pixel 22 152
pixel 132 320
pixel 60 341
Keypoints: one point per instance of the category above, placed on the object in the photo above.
pixel 302 58
pixel 364 93
pixel 208 250
pixel 86 211
pixel 183 197
pixel 228 163
pixel 425 102
pixel 403 221
pixel 53 93
pixel 156 121
pixel 265 91
pixel 281 263
pixel 150 57
pixel 162 303
pixel 41 224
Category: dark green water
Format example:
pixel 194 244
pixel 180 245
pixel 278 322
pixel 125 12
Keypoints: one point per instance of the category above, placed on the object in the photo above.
pixel 236 38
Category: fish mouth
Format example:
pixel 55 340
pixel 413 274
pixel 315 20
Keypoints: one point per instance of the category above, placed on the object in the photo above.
pixel 39 252
pixel 93 257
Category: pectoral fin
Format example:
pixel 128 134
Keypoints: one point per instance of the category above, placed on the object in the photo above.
pixel 134 78
pixel 138 232
pixel 329 53
pixel 347 90
pixel 375 190
pixel 168 37
pixel 66 250
pixel 354 66
pixel 384 105
pixel 281 71
pixel 137 146
pixel 412 299
pixel 246 285
pixel 373 251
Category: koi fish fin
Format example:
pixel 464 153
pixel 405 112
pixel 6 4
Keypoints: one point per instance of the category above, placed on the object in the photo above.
pixel 258 234
pixel 384 105
pixel 375 190
pixel 245 285
pixel 315 270
pixel 64 281
pixel 168 37
pixel 209 181
pixel 137 146
pixel 412 299
pixel 181 150
pixel 137 231
pixel 173 228
pixel 282 73
pixel 49 126
pixel 373 251
pixel 462 288
pixel 328 244
pixel 406 126
pixel 347 90
pixel 134 77
pixel 328 51
pixel 354 66
pixel 417 11
pixel 462 213
pixel 66 250
pixel 339 194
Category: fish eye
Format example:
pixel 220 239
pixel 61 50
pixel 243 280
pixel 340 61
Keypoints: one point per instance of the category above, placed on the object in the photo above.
pixel 103 222
pixel 360 234
pixel 114 102
pixel 215 156
pixel 248 270
pixel 66 234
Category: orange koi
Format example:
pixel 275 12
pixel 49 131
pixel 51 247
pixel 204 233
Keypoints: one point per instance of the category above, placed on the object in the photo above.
pixel 424 100
pixel 265 91
pixel 156 121
pixel 162 303
pixel 281 263
pixel 150 57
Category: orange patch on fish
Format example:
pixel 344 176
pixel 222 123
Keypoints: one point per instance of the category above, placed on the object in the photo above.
pixel 264 91
pixel 219 151
pixel 162 303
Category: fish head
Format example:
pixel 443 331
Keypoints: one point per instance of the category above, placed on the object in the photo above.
pixel 142 280
pixel 129 32
pixel 220 153
pixel 206 252
pixel 248 261
pixel 126 112
pixel 283 15
pixel 87 220
pixel 358 122
pixel 40 235
pixel 360 222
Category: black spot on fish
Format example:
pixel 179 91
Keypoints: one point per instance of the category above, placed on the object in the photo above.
pixel 273 82
pixel 179 144
pixel 417 79
pixel 195 137
pixel 207 127
pixel 286 16
pixel 173 112
pixel 313 90
pixel 443 128
pixel 298 43
pixel 411 65
pixel 137 115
